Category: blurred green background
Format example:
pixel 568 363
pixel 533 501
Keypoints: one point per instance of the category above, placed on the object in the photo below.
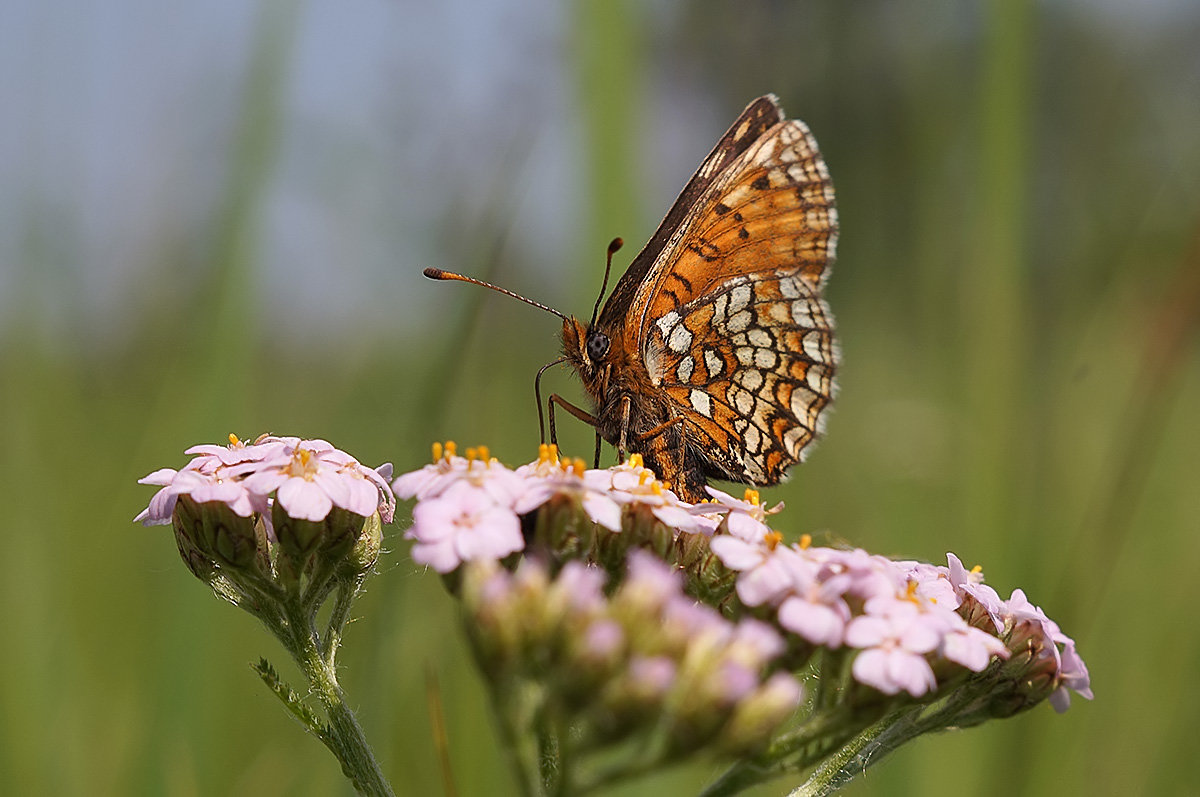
pixel 213 219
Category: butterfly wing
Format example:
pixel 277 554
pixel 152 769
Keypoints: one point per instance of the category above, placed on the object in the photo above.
pixel 759 116
pixel 729 316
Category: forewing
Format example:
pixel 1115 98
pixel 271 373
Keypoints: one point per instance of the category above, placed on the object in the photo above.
pixel 758 117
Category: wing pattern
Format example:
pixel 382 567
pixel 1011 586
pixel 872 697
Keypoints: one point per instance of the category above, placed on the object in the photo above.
pixel 732 326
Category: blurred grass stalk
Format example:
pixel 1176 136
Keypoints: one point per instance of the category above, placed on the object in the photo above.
pixel 995 313
pixel 207 388
pixel 231 337
pixel 609 69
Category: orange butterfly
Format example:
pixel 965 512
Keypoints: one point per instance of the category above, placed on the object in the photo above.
pixel 714 356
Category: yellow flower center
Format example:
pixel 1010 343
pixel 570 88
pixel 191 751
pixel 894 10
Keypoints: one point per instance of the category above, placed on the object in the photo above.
pixel 303 465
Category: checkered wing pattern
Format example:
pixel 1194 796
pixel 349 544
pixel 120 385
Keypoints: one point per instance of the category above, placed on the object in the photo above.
pixel 729 319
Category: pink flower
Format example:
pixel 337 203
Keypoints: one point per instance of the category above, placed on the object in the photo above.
pixel 763 571
pixel 464 523
pixel 1069 669
pixel 488 474
pixel 894 645
pixel 652 676
pixel 745 519
pixel 814 608
pixel 312 478
pixel 202 488
pixel 631 483
pixel 212 457
pixel 649 580
pixel 546 478
pixel 972 648
pixel 969 586
pixel 1073 674
pixel 308 478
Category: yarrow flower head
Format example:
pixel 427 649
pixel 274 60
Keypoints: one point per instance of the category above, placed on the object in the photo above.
pixel 694 619
pixel 279 527
pixel 258 510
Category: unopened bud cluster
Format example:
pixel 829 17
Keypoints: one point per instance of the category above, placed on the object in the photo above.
pixel 638 660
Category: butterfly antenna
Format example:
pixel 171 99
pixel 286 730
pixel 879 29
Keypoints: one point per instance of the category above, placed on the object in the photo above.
pixel 438 274
pixel 614 246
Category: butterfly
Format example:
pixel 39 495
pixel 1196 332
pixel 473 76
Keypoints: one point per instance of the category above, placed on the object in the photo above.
pixel 714 356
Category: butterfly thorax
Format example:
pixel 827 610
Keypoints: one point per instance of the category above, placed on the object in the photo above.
pixel 628 407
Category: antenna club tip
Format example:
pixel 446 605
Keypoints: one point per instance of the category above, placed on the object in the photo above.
pixel 615 245
pixel 434 273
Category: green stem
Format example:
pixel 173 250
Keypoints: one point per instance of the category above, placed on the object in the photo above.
pixel 349 742
pixel 810 741
pixel 338 618
pixel 511 739
pixel 832 773
pixel 550 761
pixel 874 743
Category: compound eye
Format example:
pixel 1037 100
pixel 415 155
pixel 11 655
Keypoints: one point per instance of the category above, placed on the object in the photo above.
pixel 597 346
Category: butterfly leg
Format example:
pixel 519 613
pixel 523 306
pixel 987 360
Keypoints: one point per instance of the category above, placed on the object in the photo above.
pixel 657 430
pixel 582 415
pixel 623 437
pixel 537 395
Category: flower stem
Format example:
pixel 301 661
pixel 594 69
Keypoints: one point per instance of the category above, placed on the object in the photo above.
pixel 889 733
pixel 338 618
pixel 515 751
pixel 791 752
pixel 833 773
pixel 349 743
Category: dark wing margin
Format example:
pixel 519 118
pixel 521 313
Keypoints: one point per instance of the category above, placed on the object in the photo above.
pixel 759 116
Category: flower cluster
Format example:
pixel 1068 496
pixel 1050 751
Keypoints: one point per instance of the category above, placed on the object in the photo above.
pixel 643 659
pixel 277 503
pixel 906 628
pixel 470 508
pixel 279 528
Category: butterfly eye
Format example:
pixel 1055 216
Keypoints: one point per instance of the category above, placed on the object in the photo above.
pixel 597 345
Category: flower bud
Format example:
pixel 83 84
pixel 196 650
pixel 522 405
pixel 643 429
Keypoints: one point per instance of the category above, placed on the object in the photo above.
pixel 214 530
pixel 759 715
pixel 362 556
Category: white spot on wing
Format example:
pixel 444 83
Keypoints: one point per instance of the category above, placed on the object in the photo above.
pixel 751 379
pixel 684 370
pixel 818 378
pixel 761 338
pixel 765 358
pixel 680 340
pixel 701 403
pixel 753 440
pixel 667 323
pixel 814 347
pixel 713 362
pixel 739 297
pixel 739 321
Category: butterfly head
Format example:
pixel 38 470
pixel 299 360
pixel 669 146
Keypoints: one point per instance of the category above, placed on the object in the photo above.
pixel 587 348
